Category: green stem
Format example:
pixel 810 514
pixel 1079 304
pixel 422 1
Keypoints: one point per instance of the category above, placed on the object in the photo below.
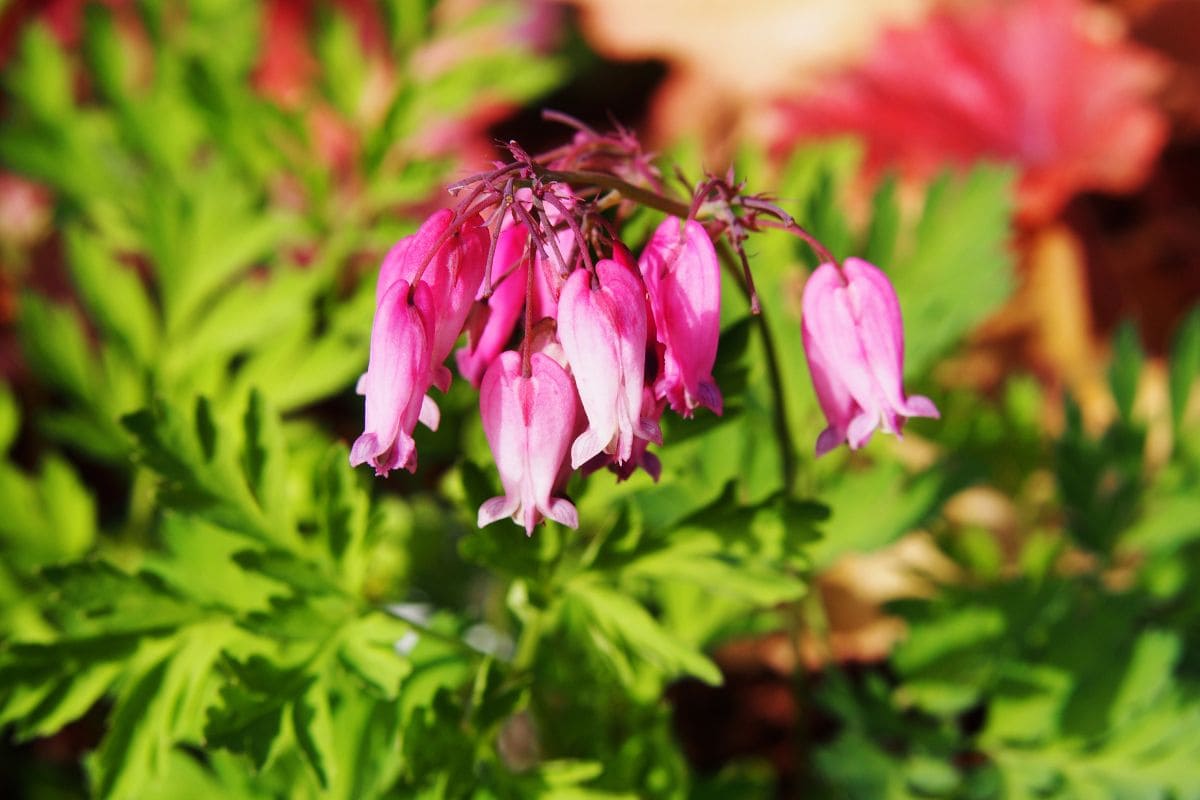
pixel 783 429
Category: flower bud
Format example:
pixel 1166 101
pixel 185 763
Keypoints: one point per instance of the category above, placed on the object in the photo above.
pixel 683 279
pixel 603 333
pixel 396 380
pixel 854 341
pixel 528 422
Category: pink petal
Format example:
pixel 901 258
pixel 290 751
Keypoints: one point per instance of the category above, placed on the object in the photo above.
pixel 683 279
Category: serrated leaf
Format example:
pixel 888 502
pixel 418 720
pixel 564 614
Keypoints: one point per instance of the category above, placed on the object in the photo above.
pixel 163 703
pixel 48 685
pixel 93 598
pixel 694 559
pixel 254 707
pixel 313 728
pixel 368 649
pixel 249 315
pixel 302 575
pixel 201 474
pixel 343 510
pixel 959 270
pixel 264 460
pixel 70 510
pixel 625 624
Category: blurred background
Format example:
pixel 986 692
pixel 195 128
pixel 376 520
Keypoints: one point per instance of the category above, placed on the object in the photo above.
pixel 195 147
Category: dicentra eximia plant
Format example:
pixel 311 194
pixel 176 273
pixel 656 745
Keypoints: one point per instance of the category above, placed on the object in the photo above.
pixel 608 342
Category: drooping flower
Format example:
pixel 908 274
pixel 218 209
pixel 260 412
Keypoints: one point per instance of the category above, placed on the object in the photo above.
pixel 452 273
pixel 499 313
pixel 396 380
pixel 528 421
pixel 493 320
pixel 603 332
pixel 683 279
pixel 854 341
pixel 652 409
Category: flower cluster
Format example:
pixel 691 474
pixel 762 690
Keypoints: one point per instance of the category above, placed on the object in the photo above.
pixel 608 342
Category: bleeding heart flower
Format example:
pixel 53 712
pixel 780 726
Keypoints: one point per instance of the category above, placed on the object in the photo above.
pixel 528 421
pixel 652 409
pixel 603 332
pixel 453 275
pixel 499 314
pixel 683 279
pixel 396 380
pixel 854 341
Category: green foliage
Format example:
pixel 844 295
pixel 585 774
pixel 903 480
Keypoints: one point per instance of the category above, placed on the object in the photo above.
pixel 192 575
pixel 1021 679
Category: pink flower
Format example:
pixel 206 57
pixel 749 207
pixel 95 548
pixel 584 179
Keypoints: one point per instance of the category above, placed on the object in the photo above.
pixel 683 279
pixel 453 275
pixel 499 315
pixel 972 84
pixel 528 422
pixel 854 341
pixel 396 380
pixel 652 409
pixel 493 322
pixel 603 333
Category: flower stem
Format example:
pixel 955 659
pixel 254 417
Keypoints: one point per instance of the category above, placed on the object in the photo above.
pixel 783 430
pixel 637 194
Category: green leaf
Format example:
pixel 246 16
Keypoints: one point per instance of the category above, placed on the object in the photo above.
pixel 313 729
pixel 94 598
pixel 1126 368
pixel 623 624
pixel 10 419
pixel 49 517
pixel 695 558
pixel 55 346
pixel 884 229
pixel 200 471
pixel 1184 365
pixel 163 701
pixel 344 67
pixel 114 295
pixel 369 651
pixel 46 686
pixel 248 316
pixel 41 77
pixel 108 58
pixel 1147 677
pixel 254 706
pixel 936 639
pixel 899 503
pixel 343 510
pixel 263 460
pixel 959 270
